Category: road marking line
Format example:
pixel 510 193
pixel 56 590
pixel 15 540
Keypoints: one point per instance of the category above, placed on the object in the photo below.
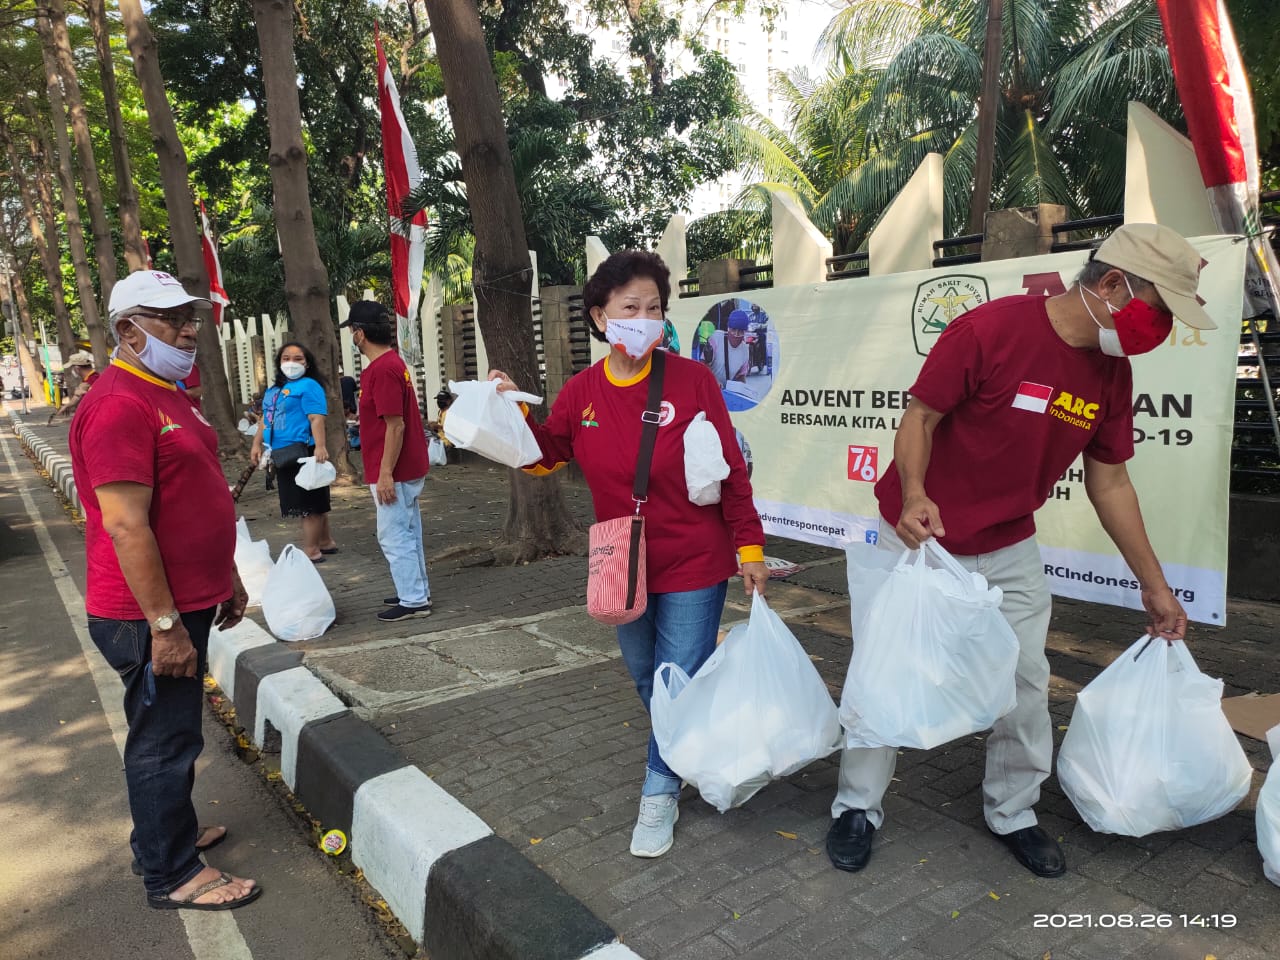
pixel 213 935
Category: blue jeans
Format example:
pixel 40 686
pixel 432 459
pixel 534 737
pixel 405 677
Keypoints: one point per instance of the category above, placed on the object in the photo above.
pixel 161 749
pixel 679 628
pixel 400 537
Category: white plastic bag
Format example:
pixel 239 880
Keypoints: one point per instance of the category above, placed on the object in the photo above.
pixel 437 455
pixel 313 476
pixel 867 567
pixel 1149 747
pixel 296 603
pixel 933 659
pixel 755 711
pixel 490 423
pixel 704 463
pixel 1267 819
pixel 253 562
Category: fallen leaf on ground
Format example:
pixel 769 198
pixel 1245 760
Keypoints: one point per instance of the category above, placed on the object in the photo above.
pixel 534 841
pixel 626 723
pixel 993 895
pixel 1062 727
pixel 785 835
pixel 737 915
pixel 954 914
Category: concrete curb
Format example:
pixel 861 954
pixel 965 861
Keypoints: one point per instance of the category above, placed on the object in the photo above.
pixel 461 892
pixel 55 464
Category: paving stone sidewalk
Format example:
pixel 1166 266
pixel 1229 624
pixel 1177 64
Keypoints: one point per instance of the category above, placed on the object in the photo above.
pixel 515 702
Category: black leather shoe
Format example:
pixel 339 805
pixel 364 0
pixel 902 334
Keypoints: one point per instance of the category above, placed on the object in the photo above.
pixel 849 841
pixel 1036 850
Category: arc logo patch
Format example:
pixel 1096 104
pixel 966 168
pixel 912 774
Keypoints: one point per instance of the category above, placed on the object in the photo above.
pixel 589 416
pixel 167 424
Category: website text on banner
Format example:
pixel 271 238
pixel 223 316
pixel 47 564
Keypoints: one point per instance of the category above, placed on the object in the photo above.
pixel 819 409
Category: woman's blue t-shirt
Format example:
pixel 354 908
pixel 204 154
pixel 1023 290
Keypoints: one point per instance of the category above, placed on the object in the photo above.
pixel 285 411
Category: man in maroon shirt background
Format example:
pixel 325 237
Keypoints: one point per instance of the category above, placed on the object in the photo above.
pixel 393 446
pixel 1009 396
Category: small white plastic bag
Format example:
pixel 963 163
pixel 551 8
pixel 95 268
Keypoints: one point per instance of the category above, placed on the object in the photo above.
pixel 755 711
pixel 933 658
pixel 437 455
pixel 1149 747
pixel 704 463
pixel 490 423
pixel 253 562
pixel 313 476
pixel 295 602
pixel 1267 819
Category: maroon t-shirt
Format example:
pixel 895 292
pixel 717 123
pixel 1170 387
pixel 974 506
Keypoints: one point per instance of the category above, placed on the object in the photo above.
pixel 1020 406
pixel 138 428
pixel 387 391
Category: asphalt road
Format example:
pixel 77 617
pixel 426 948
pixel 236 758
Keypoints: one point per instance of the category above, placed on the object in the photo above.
pixel 66 890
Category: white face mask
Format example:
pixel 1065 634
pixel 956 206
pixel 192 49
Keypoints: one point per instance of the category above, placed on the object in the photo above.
pixel 636 336
pixel 292 369
pixel 164 360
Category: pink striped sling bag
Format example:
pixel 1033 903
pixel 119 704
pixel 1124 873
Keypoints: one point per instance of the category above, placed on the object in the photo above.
pixel 616 591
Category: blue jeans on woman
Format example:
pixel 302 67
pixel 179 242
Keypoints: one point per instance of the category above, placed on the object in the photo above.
pixel 677 628
pixel 160 752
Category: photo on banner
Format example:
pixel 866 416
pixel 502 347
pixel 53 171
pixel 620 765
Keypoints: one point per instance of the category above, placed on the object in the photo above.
pixel 739 345
pixel 822 432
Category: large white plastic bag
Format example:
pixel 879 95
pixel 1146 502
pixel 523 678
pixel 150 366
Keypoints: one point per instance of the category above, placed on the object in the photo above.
pixel 755 711
pixel 933 658
pixel 490 423
pixel 253 562
pixel 1267 819
pixel 704 463
pixel 1149 747
pixel 313 476
pixel 296 603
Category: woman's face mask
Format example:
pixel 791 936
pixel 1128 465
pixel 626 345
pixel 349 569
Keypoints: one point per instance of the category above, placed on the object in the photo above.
pixel 635 336
pixel 293 369
pixel 1139 327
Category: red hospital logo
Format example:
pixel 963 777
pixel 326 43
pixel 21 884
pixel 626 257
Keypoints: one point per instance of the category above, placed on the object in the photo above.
pixel 1032 396
pixel 864 463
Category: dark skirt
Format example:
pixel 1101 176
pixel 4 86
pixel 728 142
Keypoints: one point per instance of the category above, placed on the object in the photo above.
pixel 295 501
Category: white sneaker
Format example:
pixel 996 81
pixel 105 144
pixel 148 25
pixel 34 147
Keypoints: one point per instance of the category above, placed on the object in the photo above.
pixel 655 827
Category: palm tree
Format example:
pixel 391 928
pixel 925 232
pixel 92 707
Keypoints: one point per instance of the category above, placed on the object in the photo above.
pixel 904 81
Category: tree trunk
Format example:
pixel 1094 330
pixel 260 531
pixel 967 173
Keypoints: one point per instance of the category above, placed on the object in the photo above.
pixel 538 520
pixel 67 187
pixel 306 282
pixel 47 251
pixel 988 108
pixel 135 250
pixel 23 329
pixel 102 248
pixel 184 234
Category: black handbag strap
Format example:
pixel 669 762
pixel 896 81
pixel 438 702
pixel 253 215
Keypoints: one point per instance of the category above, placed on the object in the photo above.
pixel 649 432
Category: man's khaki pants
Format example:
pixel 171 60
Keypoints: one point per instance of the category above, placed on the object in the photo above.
pixel 1020 748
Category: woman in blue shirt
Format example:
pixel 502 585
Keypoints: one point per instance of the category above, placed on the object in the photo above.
pixel 293 414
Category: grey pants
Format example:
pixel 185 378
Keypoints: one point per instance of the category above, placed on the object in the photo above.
pixel 1020 747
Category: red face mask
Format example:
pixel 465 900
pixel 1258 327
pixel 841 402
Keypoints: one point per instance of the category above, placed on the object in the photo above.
pixel 1139 327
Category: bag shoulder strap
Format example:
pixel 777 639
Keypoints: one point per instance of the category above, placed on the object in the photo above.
pixel 649 433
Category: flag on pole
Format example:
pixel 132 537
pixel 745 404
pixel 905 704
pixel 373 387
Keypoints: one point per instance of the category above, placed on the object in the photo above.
pixel 209 250
pixel 1215 99
pixel 400 165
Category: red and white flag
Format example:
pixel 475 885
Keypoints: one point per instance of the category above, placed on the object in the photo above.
pixel 1032 396
pixel 1215 99
pixel 213 267
pixel 400 165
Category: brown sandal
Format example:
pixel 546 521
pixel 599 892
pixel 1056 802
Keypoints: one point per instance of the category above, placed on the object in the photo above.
pixel 188 902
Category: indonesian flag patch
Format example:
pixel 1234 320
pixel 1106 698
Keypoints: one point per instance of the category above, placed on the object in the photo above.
pixel 1032 396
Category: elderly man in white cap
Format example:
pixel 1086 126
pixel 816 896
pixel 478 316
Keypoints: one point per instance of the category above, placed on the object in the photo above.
pixel 159 549
pixel 1010 395
pixel 80 365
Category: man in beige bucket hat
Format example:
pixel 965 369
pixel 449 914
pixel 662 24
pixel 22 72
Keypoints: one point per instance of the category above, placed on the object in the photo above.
pixel 1009 396
pixel 80 366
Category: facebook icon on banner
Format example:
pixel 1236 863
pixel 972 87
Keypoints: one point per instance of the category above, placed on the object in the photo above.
pixel 873 536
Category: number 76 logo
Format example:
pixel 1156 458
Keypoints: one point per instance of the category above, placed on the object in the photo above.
pixel 864 463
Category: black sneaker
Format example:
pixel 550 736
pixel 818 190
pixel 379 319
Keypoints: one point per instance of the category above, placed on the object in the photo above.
pixel 391 614
pixel 395 602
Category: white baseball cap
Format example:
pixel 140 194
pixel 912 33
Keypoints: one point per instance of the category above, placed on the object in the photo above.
pixel 150 288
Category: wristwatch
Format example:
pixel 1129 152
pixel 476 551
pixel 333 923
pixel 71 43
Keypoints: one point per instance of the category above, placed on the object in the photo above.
pixel 167 622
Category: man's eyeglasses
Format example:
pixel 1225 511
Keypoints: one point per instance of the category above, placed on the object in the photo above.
pixel 177 321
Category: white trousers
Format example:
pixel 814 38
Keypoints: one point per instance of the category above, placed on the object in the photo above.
pixel 1020 747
